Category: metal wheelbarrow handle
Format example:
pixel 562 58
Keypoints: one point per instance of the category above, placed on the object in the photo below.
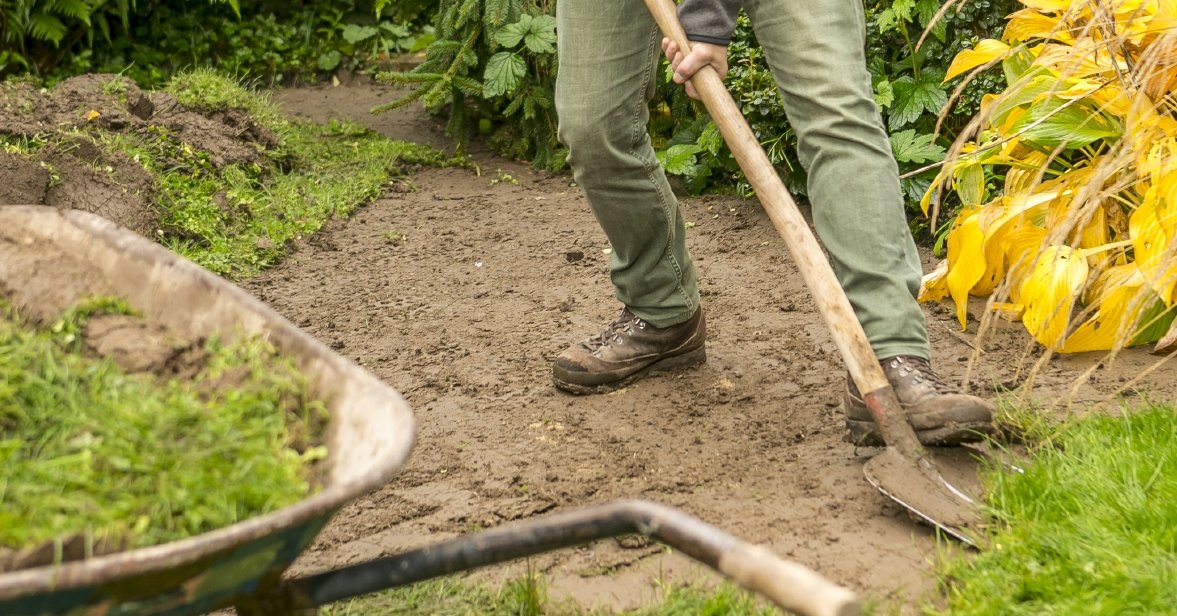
pixel 789 585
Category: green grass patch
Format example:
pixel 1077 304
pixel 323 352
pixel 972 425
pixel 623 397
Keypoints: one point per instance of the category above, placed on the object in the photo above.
pixel 1090 527
pixel 237 219
pixel 528 596
pixel 88 449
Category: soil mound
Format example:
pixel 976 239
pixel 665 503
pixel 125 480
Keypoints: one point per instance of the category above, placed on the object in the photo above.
pixel 77 166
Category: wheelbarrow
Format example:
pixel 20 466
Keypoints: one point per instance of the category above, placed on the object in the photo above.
pixel 369 437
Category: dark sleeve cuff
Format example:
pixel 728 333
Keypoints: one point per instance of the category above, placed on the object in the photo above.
pixel 711 40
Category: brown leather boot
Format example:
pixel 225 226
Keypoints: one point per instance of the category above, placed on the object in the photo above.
pixel 938 412
pixel 628 350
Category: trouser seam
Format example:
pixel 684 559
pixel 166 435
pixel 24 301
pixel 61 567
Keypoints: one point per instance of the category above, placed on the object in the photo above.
pixel 649 169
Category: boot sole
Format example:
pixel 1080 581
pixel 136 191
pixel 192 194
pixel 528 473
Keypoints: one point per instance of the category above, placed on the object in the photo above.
pixel 864 434
pixel 690 358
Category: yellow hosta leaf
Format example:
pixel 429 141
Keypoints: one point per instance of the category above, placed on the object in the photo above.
pixel 966 263
pixel 1053 6
pixel 1165 20
pixel 1168 342
pixel 1153 227
pixel 1122 298
pixel 934 285
pixel 1094 234
pixel 986 51
pixel 973 267
pixel 1132 18
pixel 1028 24
pixel 1009 311
pixel 1050 291
pixel 1111 99
pixel 1021 251
pixel 1020 180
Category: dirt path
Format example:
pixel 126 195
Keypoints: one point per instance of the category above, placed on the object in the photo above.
pixel 460 293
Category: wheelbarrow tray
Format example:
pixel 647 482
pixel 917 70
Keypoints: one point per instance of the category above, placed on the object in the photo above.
pixel 369 433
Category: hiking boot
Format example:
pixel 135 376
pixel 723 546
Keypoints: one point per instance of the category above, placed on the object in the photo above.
pixel 628 350
pixel 938 412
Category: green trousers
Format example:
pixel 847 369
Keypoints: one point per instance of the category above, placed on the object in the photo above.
pixel 609 54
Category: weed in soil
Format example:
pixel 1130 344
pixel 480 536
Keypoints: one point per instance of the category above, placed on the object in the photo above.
pixel 133 460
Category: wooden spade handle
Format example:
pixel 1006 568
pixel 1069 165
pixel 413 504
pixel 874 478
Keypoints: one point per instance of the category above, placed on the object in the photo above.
pixel 807 253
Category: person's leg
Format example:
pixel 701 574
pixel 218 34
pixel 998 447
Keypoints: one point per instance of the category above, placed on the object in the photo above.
pixel 609 52
pixel 816 51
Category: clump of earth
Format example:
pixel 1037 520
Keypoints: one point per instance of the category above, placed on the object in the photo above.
pixel 75 169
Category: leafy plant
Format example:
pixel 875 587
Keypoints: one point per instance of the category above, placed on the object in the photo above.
pixel 1082 237
pixel 907 74
pixel 40 33
pixel 492 64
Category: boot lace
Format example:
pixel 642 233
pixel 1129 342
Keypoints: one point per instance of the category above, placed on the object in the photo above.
pixel 625 322
pixel 920 371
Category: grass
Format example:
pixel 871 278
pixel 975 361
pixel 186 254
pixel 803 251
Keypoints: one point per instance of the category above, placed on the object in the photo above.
pixel 237 219
pixel 88 449
pixel 1089 528
pixel 528 596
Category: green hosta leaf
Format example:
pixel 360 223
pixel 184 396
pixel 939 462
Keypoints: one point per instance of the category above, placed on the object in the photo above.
pixel 354 33
pixel 1050 125
pixel 680 159
pixel 910 147
pixel 504 72
pixel 541 36
pixel 969 181
pixel 1018 64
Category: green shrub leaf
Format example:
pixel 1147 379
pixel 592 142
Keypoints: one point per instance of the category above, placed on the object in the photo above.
pixel 353 33
pixel 910 147
pixel 503 73
pixel 541 36
pixel 680 159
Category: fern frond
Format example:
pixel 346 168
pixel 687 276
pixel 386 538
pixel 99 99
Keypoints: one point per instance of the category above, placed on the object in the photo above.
pixel 73 9
pixel 45 27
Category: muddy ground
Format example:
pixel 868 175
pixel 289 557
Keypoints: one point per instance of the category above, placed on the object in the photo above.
pixel 459 288
pixel 462 290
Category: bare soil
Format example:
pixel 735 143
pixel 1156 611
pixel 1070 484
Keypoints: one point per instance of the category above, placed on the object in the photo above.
pixel 460 288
